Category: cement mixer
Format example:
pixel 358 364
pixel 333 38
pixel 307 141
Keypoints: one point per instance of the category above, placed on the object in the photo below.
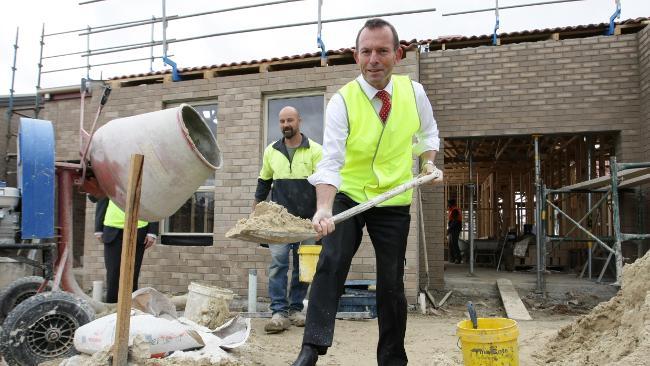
pixel 41 314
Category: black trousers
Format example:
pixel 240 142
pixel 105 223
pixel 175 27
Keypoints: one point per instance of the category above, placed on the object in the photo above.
pixel 454 249
pixel 113 259
pixel 388 228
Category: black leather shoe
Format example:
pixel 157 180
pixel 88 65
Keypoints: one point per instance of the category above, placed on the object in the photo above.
pixel 307 357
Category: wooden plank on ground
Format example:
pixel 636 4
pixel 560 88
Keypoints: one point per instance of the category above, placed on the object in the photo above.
pixel 127 264
pixel 511 301
pixel 444 299
pixel 605 181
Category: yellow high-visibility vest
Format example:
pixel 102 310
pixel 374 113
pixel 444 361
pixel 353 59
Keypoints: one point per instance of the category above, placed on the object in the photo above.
pixel 115 217
pixel 379 156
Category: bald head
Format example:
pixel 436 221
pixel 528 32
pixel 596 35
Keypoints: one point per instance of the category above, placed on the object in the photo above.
pixel 289 119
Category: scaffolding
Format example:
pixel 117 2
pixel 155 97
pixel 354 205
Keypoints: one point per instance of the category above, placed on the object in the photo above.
pixel 622 176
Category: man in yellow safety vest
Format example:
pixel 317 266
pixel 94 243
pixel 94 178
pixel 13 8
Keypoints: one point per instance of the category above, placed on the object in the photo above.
pixel 367 150
pixel 109 230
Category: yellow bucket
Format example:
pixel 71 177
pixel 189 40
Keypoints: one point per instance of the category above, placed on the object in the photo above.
pixel 494 343
pixel 308 259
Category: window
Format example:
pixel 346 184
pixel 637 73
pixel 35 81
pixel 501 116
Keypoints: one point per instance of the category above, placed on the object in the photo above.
pixel 311 107
pixel 193 223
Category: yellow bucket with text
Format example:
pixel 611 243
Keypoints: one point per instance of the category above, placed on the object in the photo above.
pixel 307 261
pixel 494 343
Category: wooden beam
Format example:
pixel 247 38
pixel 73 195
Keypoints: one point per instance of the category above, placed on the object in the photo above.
pixel 503 148
pixel 127 264
pixel 515 309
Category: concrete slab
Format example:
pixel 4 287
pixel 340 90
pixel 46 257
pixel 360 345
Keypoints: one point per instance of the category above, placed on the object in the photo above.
pixel 483 283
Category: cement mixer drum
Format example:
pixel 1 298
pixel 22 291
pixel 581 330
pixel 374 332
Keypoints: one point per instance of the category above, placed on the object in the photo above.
pixel 180 153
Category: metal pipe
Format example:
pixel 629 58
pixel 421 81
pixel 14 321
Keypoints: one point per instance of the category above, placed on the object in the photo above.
pixel 118 48
pixel 634 236
pixel 102 64
pixel 510 7
pixel 603 199
pixel 129 47
pixel 538 216
pixel 602 271
pixel 134 22
pixel 88 51
pixel 68 281
pixel 37 100
pixel 252 290
pixel 176 17
pixel 616 15
pixel 496 25
pixel 589 251
pixel 164 30
pixel 10 109
pixel 90 2
pixel 152 40
pixel 544 218
pixel 581 227
pixel 319 39
pixel 558 238
pixel 471 213
pixel 625 166
pixel 613 171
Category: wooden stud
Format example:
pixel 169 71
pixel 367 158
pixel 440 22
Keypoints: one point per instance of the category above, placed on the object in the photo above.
pixel 127 264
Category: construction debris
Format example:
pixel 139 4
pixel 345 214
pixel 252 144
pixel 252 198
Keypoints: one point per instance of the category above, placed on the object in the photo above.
pixel 444 299
pixel 614 332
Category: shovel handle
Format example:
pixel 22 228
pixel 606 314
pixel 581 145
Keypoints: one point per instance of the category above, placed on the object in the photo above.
pixel 418 181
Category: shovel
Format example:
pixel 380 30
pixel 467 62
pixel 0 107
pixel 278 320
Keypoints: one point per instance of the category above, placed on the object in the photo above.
pixel 284 237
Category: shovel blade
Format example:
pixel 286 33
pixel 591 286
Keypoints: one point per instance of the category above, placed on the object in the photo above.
pixel 270 237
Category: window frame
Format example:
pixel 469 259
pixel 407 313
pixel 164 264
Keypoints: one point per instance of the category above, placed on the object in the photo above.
pixel 285 95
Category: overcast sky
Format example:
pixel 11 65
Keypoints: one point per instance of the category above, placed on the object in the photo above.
pixel 63 15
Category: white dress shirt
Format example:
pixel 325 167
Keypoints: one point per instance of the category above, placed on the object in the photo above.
pixel 336 131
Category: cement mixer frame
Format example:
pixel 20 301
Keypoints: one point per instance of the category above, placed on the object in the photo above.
pixel 46 311
pixel 42 314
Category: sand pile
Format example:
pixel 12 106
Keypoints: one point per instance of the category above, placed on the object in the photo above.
pixel 272 218
pixel 616 332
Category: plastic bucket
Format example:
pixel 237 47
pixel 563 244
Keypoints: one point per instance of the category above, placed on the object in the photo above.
pixel 308 259
pixel 494 343
pixel 207 305
pixel 179 150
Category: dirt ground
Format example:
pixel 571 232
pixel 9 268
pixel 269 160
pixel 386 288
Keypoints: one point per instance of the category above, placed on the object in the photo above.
pixel 427 339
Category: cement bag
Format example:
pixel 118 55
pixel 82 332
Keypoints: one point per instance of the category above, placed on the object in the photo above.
pixel 162 335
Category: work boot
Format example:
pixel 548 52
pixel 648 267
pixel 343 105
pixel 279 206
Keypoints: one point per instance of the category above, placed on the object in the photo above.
pixel 307 357
pixel 278 323
pixel 297 318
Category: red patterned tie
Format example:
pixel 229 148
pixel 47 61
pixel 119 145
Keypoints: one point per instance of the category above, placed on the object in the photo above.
pixel 385 104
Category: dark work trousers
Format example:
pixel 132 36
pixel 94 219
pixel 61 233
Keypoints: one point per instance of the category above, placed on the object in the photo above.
pixel 454 249
pixel 388 228
pixel 113 258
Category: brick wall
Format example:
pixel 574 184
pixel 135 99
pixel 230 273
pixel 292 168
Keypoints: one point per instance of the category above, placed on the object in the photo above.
pixel 547 87
pixel 644 85
pixel 588 84
pixel 240 131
